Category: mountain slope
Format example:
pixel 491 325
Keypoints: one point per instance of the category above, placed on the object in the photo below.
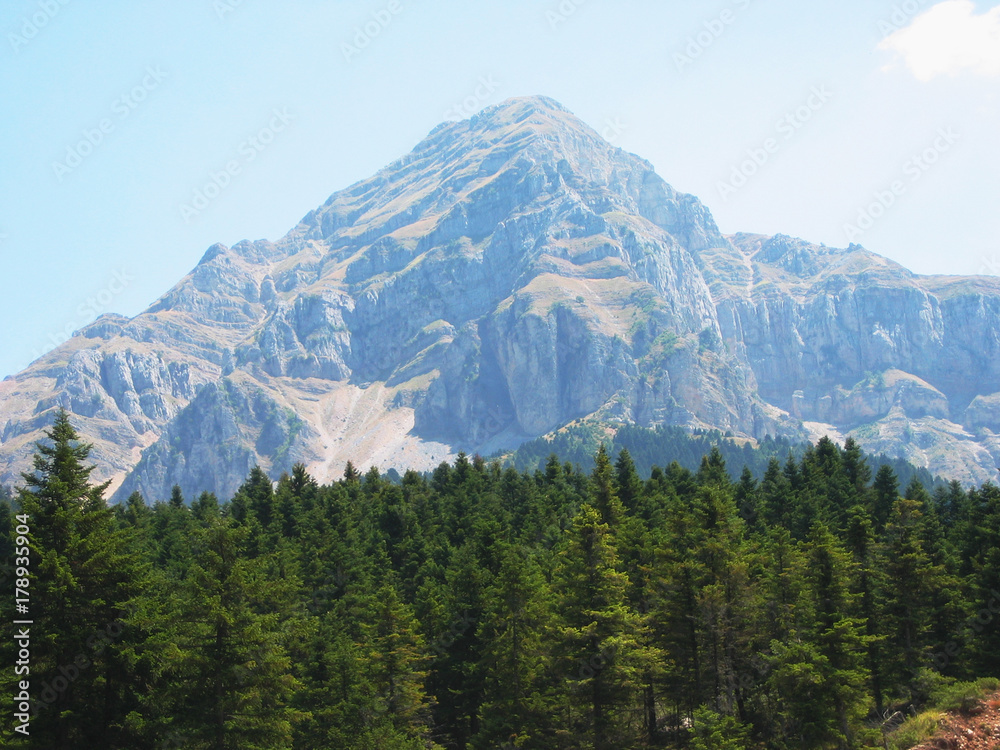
pixel 513 273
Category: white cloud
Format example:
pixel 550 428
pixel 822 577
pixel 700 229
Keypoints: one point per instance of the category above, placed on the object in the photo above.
pixel 949 39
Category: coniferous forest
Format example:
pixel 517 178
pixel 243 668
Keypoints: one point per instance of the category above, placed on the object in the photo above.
pixel 484 607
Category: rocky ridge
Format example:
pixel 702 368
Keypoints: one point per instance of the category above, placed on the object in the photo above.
pixel 513 273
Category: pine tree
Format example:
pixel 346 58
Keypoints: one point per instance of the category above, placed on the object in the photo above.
pixel 859 474
pixel 910 583
pixel 748 500
pixel 627 482
pixel 603 490
pixel 395 662
pixel 983 547
pixel 817 673
pixel 868 577
pixel 601 655
pixel 177 500
pixel 514 629
pixel 230 679
pixel 885 492
pixel 86 587
pixel 776 496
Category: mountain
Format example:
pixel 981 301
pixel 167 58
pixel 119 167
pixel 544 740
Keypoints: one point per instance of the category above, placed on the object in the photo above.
pixel 514 273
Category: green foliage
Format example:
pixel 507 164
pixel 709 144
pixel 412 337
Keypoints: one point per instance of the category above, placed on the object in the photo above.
pixel 663 445
pixel 942 694
pixel 713 731
pixel 86 587
pixel 680 590
pixel 963 696
pixel 915 730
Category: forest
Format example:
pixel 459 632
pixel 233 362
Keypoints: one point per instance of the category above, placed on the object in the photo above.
pixel 484 607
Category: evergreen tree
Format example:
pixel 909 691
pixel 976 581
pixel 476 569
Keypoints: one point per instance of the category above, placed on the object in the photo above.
pixel 603 490
pixel 628 485
pixel 395 665
pixel 885 493
pixel 818 673
pixel 87 582
pixel 514 631
pixel 227 663
pixel 601 656
pixel 910 584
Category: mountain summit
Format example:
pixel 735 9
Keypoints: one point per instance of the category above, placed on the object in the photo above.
pixel 513 273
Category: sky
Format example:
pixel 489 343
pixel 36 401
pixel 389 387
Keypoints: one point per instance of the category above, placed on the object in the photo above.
pixel 135 135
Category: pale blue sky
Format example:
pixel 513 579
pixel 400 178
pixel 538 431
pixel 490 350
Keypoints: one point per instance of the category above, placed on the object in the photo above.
pixel 106 229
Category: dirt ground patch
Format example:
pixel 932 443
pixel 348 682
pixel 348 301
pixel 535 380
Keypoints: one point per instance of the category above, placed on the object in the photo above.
pixel 978 729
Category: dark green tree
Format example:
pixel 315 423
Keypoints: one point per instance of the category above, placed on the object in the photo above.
pixel 229 674
pixel 87 583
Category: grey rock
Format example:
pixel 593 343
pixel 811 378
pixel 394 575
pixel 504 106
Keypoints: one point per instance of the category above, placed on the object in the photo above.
pixel 513 273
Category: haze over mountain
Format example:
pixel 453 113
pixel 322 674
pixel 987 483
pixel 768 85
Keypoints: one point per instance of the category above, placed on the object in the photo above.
pixel 513 273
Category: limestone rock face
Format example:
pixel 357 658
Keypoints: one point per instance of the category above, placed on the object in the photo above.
pixel 511 274
pixel 215 441
pixel 984 413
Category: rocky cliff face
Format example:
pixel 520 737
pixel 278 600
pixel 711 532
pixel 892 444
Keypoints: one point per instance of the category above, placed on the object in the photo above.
pixel 513 273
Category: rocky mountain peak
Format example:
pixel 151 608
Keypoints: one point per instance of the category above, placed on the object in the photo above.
pixel 513 273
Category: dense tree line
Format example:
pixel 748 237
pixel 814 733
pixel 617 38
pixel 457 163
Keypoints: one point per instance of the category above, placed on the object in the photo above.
pixel 578 444
pixel 481 607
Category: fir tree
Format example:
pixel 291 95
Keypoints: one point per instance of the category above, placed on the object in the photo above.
pixel 86 588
